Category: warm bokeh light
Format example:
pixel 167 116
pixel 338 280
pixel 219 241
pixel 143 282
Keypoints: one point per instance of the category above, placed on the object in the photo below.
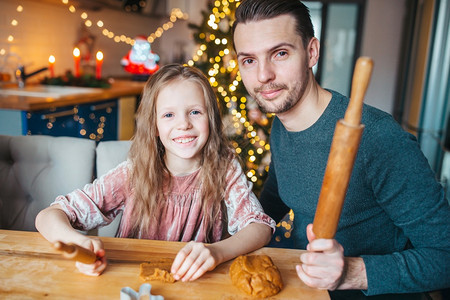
pixel 76 52
pixel 99 55
pixel 175 14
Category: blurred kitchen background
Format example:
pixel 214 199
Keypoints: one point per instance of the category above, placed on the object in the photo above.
pixel 407 39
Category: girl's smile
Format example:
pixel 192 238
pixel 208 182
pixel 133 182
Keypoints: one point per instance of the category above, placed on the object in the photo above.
pixel 184 140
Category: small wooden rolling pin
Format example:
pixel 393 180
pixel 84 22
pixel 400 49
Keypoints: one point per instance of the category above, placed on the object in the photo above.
pixel 344 148
pixel 76 252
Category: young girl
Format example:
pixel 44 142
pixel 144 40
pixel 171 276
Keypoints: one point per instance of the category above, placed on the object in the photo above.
pixel 180 183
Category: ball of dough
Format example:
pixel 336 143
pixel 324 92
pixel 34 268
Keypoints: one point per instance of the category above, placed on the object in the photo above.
pixel 256 275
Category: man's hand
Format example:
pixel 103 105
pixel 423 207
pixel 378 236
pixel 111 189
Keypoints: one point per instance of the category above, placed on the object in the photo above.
pixel 323 266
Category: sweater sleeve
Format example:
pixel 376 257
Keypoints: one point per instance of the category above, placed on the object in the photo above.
pixel 242 205
pixel 405 187
pixel 270 199
pixel 98 203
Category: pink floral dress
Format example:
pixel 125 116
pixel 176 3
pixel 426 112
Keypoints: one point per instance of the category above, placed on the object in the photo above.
pixel 98 203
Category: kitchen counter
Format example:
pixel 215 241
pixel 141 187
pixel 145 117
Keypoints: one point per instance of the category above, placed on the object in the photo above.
pixel 118 89
pixel 94 113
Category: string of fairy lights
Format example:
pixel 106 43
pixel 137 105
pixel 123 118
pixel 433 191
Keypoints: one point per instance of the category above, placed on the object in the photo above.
pixel 176 14
pixel 237 106
pixel 14 23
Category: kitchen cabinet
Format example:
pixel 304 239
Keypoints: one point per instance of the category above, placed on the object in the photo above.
pixel 96 121
pixel 100 114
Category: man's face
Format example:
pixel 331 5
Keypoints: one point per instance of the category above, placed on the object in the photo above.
pixel 273 62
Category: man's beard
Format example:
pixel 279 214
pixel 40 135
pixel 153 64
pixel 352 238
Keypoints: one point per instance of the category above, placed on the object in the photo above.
pixel 291 99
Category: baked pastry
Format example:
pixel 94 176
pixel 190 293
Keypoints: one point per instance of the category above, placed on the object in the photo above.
pixel 256 275
pixel 157 269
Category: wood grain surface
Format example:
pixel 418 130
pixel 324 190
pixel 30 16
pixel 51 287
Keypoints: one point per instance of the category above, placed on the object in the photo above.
pixel 30 268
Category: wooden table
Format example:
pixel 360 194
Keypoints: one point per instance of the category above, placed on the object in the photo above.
pixel 31 269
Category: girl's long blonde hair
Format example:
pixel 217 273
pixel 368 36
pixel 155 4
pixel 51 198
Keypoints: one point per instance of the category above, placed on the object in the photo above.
pixel 149 172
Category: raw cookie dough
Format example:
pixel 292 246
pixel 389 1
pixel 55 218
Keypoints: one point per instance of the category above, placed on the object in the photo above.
pixel 256 275
pixel 157 269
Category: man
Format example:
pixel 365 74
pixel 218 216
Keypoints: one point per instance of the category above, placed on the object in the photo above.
pixel 393 236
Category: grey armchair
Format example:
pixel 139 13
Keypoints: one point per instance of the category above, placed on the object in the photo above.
pixel 36 169
pixel 109 155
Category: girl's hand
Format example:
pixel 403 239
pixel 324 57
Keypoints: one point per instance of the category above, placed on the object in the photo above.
pixel 323 265
pixel 193 261
pixel 99 266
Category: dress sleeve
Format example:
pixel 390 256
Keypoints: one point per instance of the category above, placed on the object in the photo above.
pixel 242 205
pixel 270 199
pixel 405 187
pixel 98 203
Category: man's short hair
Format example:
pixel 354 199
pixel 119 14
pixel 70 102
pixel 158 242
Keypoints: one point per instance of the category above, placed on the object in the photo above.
pixel 257 10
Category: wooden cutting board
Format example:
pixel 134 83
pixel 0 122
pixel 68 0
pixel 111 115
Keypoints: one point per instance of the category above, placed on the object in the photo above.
pixel 30 268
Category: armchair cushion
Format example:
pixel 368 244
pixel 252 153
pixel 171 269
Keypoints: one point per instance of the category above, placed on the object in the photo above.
pixel 36 169
pixel 109 155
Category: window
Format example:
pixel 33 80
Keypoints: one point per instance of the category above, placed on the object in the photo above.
pixel 337 25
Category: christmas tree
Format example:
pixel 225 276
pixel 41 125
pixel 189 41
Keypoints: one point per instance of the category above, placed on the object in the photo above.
pixel 247 127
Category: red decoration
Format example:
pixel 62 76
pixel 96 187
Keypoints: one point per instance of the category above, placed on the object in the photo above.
pixel 140 60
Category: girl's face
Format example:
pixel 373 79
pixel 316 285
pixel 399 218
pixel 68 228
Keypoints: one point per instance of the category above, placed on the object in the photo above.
pixel 183 125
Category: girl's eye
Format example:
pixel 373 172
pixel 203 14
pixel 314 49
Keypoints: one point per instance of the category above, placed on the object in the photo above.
pixel 168 115
pixel 196 112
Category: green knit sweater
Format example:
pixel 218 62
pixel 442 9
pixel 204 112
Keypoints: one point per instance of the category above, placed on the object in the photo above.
pixel 395 214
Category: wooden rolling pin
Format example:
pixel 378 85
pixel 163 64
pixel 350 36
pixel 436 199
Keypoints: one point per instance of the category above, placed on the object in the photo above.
pixel 76 252
pixel 344 148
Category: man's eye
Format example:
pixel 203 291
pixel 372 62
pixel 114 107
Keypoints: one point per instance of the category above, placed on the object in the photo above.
pixel 282 53
pixel 247 61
